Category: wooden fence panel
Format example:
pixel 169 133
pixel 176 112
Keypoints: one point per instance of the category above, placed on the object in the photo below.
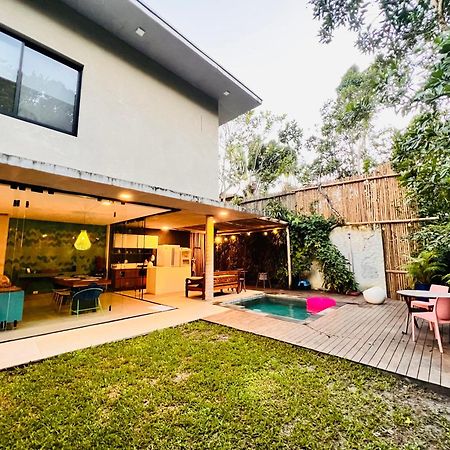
pixel 376 200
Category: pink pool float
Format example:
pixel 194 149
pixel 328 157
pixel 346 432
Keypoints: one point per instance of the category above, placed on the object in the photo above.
pixel 315 305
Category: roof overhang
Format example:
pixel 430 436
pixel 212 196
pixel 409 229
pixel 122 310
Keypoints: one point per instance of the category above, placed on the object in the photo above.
pixel 165 45
pixel 186 211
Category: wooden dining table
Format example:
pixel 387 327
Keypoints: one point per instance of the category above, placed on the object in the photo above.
pixel 79 282
pixel 408 295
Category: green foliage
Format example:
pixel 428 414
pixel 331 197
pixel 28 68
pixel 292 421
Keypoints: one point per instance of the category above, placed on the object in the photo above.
pixel 435 237
pixel 202 386
pixel 310 239
pixel 258 151
pixel 425 268
pixel 400 33
pixel 347 143
pixel 255 253
pixel 392 27
pixel 438 84
pixel 421 155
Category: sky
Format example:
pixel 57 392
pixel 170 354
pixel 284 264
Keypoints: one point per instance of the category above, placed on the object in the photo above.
pixel 273 48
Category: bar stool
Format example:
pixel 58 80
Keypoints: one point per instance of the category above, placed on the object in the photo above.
pixel 263 276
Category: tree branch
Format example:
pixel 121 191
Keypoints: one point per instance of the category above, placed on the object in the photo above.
pixel 439 7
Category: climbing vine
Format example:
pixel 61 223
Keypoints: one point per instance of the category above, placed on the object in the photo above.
pixel 310 240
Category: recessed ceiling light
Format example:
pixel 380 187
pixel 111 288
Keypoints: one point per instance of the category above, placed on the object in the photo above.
pixel 164 228
pixel 125 196
pixel 226 93
pixel 223 213
pixel 140 31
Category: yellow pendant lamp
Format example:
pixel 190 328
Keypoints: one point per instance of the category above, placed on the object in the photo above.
pixel 83 242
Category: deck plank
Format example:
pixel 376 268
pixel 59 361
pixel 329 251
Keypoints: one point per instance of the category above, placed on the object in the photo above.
pixel 368 334
pixel 382 334
pixel 349 331
pixel 339 328
pixel 365 331
pixel 410 349
pixel 383 349
pixel 324 331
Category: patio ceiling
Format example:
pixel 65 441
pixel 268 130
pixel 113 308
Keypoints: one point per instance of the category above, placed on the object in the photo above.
pixel 61 207
pixel 168 209
pixel 245 226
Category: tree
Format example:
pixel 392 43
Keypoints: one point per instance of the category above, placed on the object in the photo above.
pixel 437 86
pixel 394 28
pixel 258 151
pixel 422 158
pixel 401 33
pixel 347 143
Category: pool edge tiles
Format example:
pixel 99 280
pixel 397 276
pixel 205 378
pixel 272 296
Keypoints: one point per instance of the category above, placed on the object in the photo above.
pixel 273 306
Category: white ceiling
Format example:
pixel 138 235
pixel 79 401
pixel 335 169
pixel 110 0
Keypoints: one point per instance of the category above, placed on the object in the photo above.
pixel 71 208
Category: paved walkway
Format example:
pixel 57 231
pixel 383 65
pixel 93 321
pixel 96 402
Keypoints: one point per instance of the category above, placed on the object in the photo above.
pixel 367 334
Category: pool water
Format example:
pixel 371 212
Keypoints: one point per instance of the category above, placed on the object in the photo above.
pixel 292 307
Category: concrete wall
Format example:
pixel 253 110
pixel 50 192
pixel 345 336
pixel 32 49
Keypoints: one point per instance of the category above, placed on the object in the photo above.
pixel 138 122
pixel 363 248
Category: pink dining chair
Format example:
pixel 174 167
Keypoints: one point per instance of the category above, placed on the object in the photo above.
pixel 439 315
pixel 435 289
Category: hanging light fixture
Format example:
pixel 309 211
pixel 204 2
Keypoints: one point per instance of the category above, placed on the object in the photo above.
pixel 82 242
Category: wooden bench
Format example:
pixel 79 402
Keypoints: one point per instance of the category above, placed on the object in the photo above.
pixel 225 279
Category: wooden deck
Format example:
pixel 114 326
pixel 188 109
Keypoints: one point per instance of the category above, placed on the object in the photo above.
pixel 367 334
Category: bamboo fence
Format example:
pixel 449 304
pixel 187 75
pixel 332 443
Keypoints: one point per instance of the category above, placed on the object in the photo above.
pixel 375 200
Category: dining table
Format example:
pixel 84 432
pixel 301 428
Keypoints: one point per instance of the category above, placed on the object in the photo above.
pixel 80 282
pixel 408 295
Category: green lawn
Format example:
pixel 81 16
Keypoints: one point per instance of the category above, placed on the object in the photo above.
pixel 203 386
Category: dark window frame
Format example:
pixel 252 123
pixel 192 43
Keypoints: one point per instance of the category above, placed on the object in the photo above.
pixel 26 42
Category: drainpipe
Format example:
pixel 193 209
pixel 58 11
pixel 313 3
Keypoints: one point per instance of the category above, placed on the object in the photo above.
pixel 209 258
pixel 288 250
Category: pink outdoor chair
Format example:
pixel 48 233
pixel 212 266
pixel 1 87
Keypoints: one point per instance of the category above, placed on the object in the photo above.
pixel 435 288
pixel 439 315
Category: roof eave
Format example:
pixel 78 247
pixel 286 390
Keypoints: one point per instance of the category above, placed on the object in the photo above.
pixel 169 48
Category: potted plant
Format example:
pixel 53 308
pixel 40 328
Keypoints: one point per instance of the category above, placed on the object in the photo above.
pixel 424 268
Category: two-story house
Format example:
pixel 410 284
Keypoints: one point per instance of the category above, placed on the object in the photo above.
pixel 109 123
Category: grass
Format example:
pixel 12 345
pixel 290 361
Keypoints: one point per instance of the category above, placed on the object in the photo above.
pixel 202 386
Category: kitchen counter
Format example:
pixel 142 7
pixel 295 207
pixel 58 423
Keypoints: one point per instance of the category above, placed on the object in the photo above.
pixel 122 266
pixel 166 279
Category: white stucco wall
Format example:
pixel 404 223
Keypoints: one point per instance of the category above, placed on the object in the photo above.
pixel 137 121
pixel 363 248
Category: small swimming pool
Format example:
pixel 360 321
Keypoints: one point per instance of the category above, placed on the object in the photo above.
pixel 291 307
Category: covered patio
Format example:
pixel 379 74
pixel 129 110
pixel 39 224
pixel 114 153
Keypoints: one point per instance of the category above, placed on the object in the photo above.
pixel 40 222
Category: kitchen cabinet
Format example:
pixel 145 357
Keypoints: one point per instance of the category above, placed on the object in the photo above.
pixel 128 279
pixel 135 241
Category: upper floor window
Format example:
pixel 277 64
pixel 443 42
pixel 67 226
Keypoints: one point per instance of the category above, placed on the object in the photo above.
pixel 37 87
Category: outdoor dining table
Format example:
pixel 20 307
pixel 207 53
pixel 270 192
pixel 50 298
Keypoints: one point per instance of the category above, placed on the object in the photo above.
pixel 412 294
